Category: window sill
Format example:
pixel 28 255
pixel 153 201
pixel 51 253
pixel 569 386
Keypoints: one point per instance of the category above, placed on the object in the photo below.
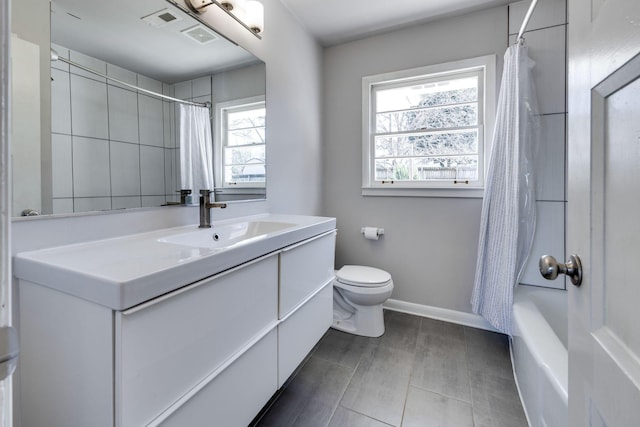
pixel 239 190
pixel 462 193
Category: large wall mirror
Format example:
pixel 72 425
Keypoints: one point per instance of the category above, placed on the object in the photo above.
pixel 113 146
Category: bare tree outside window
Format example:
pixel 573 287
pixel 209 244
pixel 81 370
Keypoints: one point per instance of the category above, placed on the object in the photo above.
pixel 427 130
pixel 244 148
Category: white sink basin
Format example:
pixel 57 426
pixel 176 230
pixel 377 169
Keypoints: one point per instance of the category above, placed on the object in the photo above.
pixel 223 236
pixel 122 272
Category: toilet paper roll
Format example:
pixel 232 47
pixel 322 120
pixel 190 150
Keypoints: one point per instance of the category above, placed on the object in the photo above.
pixel 372 233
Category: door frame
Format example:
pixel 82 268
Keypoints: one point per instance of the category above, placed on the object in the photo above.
pixel 6 385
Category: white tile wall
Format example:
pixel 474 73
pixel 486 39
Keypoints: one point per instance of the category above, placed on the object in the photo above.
pixel 149 84
pixel 545 38
pixel 61 102
pixel 547 49
pixel 126 202
pixel 546 14
pixel 167 112
pixel 90 167
pixel 61 162
pixel 122 75
pixel 89 62
pixel 168 90
pixel 62 206
pixel 168 174
pixel 203 98
pixel 184 90
pixel 125 169
pixel 549 240
pixel 89 116
pixel 129 137
pixel 175 123
pixel 123 114
pixel 550 158
pixel 175 170
pixel 89 204
pixel 151 121
pixel 152 170
pixel 201 86
pixel 148 201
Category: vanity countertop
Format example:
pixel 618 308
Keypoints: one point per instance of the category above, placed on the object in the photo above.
pixel 122 272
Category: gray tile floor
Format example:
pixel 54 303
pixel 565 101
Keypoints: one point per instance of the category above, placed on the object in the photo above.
pixel 421 372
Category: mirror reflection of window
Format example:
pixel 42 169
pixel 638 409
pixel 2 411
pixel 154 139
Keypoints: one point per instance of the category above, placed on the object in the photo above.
pixel 243 143
pixel 104 145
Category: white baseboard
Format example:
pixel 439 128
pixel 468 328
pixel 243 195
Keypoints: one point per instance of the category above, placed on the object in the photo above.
pixel 445 314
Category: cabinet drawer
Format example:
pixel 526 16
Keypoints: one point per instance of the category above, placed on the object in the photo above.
pixel 305 268
pixel 167 346
pixel 237 394
pixel 302 330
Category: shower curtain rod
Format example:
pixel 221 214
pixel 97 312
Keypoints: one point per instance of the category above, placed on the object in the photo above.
pixel 526 20
pixel 54 56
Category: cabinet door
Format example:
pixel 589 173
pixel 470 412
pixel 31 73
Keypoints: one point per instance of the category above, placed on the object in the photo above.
pixel 237 394
pixel 304 268
pixel 66 360
pixel 302 330
pixel 167 346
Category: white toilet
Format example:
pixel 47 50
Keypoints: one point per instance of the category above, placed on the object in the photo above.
pixel 358 295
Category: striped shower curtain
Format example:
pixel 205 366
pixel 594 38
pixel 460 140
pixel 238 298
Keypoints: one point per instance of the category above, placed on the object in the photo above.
pixel 508 211
pixel 196 147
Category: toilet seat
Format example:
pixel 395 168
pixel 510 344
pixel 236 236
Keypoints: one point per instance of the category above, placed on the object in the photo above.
pixel 364 277
pixel 365 290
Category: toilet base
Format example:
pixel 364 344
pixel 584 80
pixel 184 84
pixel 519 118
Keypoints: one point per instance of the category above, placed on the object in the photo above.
pixel 367 321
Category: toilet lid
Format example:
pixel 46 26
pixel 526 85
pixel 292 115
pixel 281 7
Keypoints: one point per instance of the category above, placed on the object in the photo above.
pixel 358 275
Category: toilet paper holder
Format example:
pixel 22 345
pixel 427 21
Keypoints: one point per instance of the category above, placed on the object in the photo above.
pixel 372 232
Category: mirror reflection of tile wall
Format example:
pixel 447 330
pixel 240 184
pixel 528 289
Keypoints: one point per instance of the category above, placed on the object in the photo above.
pixel 113 147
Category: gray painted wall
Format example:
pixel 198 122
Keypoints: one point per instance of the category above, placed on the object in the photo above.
pixel 430 244
pixel 294 106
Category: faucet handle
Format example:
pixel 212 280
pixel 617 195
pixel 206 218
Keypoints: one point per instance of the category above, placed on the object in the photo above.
pixel 185 196
pixel 205 196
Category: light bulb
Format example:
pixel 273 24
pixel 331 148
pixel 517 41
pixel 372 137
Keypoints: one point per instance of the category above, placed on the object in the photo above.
pixel 254 16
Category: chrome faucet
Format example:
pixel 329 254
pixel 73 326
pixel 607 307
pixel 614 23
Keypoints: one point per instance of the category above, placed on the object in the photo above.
pixel 185 196
pixel 205 208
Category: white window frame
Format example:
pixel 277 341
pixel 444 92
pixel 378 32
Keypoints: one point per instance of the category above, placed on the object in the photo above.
pixel 221 140
pixel 370 187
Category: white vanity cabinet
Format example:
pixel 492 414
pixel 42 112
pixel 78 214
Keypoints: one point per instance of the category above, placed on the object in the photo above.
pixel 209 353
pixel 306 300
pixel 168 346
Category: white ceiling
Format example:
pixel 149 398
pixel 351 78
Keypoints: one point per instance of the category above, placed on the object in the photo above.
pixel 112 30
pixel 338 21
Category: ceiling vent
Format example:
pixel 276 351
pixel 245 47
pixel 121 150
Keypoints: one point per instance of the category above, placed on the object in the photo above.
pixel 161 18
pixel 200 33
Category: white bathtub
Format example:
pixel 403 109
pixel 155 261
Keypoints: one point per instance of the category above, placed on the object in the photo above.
pixel 539 352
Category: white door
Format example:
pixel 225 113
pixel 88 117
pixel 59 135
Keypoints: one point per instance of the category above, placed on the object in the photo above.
pixel 603 212
pixel 8 335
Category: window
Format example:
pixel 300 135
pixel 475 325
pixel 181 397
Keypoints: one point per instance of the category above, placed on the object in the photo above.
pixel 424 130
pixel 241 151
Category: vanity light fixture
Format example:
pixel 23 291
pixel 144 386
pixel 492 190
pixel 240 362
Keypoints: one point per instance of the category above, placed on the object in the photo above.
pixel 255 16
pixel 249 14
pixel 234 5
